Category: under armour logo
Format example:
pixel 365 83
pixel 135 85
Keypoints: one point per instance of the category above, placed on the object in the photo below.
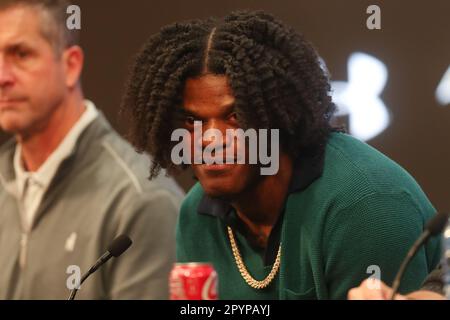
pixel 360 96
pixel 443 90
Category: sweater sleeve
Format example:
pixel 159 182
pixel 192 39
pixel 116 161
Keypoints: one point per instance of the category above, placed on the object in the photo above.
pixel 371 238
pixel 187 221
pixel 181 255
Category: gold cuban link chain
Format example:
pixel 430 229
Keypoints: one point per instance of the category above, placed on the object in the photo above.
pixel 243 269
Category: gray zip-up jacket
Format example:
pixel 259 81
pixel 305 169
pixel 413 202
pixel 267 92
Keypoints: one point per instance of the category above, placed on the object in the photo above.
pixel 98 193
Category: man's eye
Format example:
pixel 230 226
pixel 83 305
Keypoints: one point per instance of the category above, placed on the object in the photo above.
pixel 22 54
pixel 233 117
pixel 190 120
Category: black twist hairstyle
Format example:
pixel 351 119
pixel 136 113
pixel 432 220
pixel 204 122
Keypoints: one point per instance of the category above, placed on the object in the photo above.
pixel 275 74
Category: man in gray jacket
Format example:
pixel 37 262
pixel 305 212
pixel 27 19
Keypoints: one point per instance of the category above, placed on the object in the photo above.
pixel 69 184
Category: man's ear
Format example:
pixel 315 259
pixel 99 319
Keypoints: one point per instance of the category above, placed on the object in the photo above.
pixel 73 60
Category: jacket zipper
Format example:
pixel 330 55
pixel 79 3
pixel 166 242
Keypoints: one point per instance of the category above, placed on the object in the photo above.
pixel 23 250
pixel 24 238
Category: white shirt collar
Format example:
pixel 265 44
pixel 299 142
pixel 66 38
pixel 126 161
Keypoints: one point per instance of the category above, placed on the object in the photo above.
pixel 47 171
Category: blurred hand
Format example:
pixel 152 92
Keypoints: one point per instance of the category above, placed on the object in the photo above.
pixel 372 289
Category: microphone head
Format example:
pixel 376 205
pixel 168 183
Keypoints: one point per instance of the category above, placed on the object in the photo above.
pixel 437 224
pixel 119 245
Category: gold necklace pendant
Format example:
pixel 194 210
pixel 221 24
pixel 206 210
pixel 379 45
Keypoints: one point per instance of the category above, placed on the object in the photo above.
pixel 255 284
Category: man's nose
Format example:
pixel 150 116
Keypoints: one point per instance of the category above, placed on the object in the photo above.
pixel 214 133
pixel 6 75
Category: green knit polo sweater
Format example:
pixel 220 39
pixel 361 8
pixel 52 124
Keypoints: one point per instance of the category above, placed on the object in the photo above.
pixel 358 219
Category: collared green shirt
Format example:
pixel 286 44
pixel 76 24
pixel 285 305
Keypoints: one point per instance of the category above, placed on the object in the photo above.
pixel 351 213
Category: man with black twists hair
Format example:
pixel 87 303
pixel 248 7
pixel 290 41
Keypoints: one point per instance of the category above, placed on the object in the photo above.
pixel 336 208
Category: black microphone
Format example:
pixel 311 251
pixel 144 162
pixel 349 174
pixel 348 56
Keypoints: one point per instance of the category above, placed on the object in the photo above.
pixel 115 249
pixel 434 227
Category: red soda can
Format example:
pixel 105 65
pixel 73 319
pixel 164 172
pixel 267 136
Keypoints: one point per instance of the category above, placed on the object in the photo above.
pixel 193 281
